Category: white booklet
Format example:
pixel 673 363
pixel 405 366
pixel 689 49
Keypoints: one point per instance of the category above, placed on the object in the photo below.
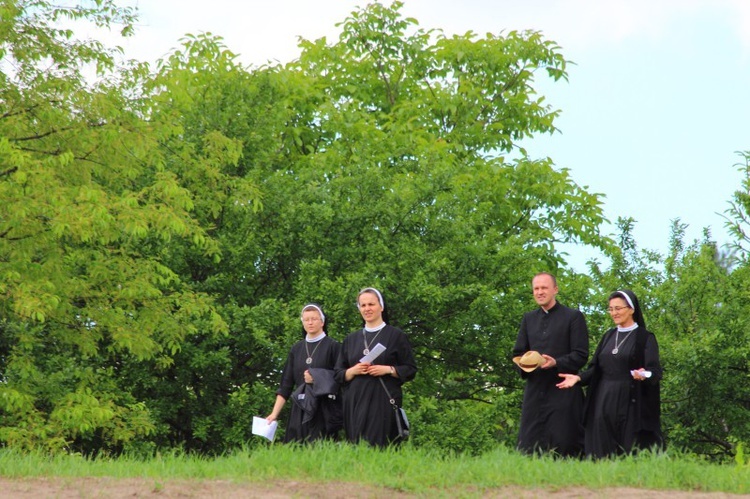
pixel 264 428
pixel 373 354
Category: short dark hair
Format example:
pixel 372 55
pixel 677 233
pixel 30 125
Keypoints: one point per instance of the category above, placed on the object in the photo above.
pixel 552 276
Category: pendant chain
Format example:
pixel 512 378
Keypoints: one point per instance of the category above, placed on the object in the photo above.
pixel 308 361
pixel 364 339
pixel 619 343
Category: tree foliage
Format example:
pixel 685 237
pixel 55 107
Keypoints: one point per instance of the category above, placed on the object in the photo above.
pixel 160 229
pixel 87 211
pixel 694 299
pixel 381 160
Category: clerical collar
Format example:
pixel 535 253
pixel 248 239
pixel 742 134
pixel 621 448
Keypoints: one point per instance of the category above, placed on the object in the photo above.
pixel 316 339
pixel 628 328
pixel 548 310
pixel 375 329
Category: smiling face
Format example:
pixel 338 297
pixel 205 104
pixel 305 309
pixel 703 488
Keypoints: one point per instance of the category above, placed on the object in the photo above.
pixel 370 308
pixel 621 313
pixel 312 322
pixel 545 291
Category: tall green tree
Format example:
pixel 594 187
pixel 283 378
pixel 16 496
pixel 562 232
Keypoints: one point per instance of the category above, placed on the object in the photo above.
pixel 707 318
pixel 388 158
pixel 87 211
pixel 163 210
pixel 228 124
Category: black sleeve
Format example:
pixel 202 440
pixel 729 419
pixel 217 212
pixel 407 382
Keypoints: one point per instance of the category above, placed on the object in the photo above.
pixel 287 377
pixel 579 345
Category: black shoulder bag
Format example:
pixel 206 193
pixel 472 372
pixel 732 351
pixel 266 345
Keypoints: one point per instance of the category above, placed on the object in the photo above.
pixel 402 423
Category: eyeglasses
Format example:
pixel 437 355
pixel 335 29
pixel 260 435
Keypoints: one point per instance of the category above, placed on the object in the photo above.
pixel 311 319
pixel 616 309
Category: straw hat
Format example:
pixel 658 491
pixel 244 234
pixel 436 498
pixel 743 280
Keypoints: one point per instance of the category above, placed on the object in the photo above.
pixel 529 361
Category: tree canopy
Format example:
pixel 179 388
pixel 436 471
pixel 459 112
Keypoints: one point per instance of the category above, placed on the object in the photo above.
pixel 161 228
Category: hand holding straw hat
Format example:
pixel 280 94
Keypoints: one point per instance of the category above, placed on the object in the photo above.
pixel 529 361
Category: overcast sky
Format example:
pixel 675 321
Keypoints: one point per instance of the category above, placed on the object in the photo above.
pixel 656 106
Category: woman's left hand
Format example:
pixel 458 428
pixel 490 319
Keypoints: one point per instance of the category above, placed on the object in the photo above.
pixel 378 370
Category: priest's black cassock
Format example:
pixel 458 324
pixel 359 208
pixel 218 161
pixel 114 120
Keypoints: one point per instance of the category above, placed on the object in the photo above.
pixel 551 418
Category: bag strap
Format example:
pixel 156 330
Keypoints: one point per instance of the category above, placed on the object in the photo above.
pixel 390 399
pixel 403 433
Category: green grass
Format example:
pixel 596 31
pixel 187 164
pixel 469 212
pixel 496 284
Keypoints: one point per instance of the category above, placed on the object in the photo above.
pixel 406 469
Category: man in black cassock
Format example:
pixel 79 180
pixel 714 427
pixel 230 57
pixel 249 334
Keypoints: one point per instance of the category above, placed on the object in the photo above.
pixel 550 417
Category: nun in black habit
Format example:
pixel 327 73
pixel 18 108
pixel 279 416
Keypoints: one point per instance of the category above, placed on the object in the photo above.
pixel 368 413
pixel 316 407
pixel 622 413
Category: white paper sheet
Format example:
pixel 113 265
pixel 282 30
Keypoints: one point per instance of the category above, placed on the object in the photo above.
pixel 262 428
pixel 376 350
